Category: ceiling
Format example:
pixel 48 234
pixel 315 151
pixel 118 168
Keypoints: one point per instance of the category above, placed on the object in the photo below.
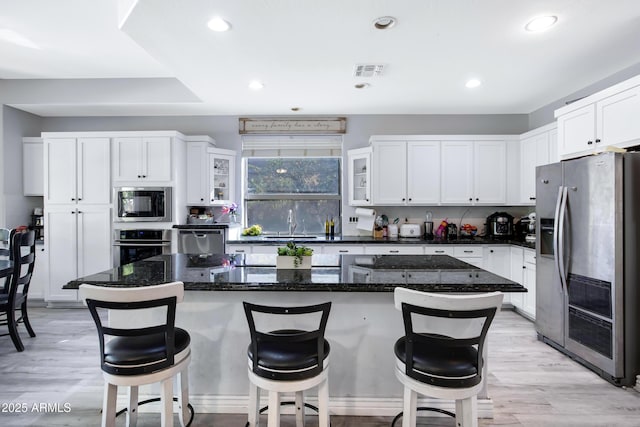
pixel 160 58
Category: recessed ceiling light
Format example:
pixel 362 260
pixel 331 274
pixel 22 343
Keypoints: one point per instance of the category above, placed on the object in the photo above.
pixel 361 85
pixel 472 83
pixel 218 24
pixel 384 22
pixel 256 85
pixel 541 23
pixel 16 38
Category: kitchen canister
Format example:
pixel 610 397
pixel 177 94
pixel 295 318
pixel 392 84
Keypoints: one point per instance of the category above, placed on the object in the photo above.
pixel 392 231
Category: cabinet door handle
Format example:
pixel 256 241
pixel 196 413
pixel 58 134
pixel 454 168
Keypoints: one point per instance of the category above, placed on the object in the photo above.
pixel 344 251
pixel 73 199
pixel 403 199
pixel 79 212
pixel 73 212
pixel 589 142
pixel 439 252
pixel 202 200
pixel 524 266
pixel 491 250
pixel 144 176
pixel 367 200
pixel 597 140
pixel 410 199
pixel 477 199
pixel 470 252
pixel 471 199
pixel 394 252
pixel 139 176
pixel 532 198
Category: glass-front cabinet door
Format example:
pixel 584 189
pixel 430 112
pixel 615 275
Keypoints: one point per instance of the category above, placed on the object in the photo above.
pixel 360 176
pixel 221 177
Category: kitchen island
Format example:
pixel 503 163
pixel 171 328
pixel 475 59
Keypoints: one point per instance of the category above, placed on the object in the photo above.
pixel 362 327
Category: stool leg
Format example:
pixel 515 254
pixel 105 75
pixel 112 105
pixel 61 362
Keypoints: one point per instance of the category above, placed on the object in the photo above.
pixel 132 411
pixel 254 405
pixel 409 411
pixel 323 404
pixel 183 396
pixel 109 405
pixel 467 412
pixel 299 409
pixel 166 403
pixel 274 409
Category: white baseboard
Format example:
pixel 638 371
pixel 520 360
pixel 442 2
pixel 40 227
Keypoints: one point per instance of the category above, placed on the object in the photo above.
pixel 384 407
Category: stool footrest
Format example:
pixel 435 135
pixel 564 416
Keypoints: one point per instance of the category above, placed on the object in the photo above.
pixel 423 408
pixel 157 399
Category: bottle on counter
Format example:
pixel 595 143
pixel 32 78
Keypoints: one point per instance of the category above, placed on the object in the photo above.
pixel 326 227
pixel 332 227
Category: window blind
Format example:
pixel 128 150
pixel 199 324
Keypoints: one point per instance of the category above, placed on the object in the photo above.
pixel 291 146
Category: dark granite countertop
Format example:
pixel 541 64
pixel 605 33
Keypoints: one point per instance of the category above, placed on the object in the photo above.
pixel 367 240
pixel 341 273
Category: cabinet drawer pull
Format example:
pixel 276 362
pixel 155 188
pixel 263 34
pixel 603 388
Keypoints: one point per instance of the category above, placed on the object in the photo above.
pixel 470 252
pixel 439 252
pixel 345 251
pixel 239 251
pixel 394 252
pixel 532 198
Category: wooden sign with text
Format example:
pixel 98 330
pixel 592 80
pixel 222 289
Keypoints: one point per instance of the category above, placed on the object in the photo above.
pixel 293 126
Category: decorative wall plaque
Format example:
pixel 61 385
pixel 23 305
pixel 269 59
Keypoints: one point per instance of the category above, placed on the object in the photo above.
pixel 293 126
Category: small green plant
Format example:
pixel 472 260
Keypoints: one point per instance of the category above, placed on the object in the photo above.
pixel 295 251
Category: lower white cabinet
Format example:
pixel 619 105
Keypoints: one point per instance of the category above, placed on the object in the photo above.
pixel 343 249
pixel 390 249
pixel 523 271
pixel 40 277
pixel 469 254
pixel 78 242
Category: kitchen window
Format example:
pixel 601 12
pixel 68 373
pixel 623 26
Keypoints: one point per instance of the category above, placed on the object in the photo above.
pixel 297 173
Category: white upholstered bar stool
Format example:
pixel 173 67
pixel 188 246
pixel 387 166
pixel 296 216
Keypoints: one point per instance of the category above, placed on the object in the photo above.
pixel 442 353
pixel 140 354
pixel 287 361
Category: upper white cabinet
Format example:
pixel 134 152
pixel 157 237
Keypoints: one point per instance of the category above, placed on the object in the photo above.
pixel 606 118
pixel 222 165
pixel 142 159
pixel 538 147
pixel 32 167
pixel 77 170
pixel 198 191
pixel 473 172
pixel 359 164
pixel 405 172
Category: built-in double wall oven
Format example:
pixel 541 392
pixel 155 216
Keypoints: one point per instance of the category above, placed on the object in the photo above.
pixel 138 244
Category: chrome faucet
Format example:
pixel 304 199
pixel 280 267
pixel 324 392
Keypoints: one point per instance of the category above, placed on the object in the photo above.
pixel 290 221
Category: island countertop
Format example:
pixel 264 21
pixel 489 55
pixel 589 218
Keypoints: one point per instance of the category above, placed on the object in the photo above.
pixel 335 273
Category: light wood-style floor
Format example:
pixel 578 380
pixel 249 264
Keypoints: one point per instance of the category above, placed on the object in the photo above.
pixel 531 384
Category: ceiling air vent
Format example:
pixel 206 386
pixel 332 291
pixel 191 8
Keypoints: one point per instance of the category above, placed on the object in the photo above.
pixel 368 70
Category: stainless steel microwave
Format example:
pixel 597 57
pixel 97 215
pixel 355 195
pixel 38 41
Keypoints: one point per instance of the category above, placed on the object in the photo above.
pixel 143 204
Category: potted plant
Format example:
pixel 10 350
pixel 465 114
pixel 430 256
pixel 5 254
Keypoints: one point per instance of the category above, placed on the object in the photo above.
pixel 293 256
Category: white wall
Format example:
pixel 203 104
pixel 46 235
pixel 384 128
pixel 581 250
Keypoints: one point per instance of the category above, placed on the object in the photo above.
pixel 16 209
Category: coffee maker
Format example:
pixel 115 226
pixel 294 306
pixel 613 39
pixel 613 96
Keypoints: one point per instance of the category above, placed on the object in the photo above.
pixel 525 229
pixel 499 226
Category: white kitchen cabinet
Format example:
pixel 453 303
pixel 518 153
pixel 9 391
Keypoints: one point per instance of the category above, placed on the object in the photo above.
pixel 497 260
pixel 607 118
pixel 529 282
pixel 341 249
pixel 198 190
pixel 40 277
pixel 222 165
pixel 469 254
pixel 473 173
pixel 391 249
pixel 139 160
pixel 359 176
pixel 537 148
pixel 438 250
pixel 76 170
pixel 406 172
pixel 517 275
pixel 389 173
pixel 237 249
pixel 78 243
pixel 32 167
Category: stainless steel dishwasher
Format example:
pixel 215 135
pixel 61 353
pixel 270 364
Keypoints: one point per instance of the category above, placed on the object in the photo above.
pixel 201 241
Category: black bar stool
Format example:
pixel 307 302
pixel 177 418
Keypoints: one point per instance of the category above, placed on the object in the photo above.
pixel 287 361
pixel 141 354
pixel 444 356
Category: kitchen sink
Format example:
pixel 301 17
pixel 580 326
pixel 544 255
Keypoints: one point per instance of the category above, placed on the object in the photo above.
pixel 295 236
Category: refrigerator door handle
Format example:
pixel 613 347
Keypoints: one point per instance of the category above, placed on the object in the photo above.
pixel 556 228
pixel 560 237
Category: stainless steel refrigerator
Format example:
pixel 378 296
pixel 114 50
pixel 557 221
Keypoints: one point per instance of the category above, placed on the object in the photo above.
pixel 588 234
